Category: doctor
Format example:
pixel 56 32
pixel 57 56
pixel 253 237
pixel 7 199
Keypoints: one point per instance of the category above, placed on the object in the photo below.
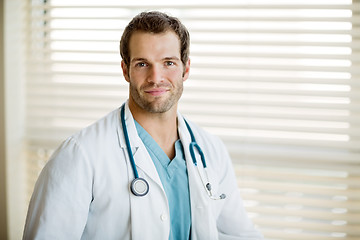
pixel 142 171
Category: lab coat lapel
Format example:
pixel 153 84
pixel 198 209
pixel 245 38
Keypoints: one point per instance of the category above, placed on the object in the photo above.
pixel 143 161
pixel 203 222
pixel 143 209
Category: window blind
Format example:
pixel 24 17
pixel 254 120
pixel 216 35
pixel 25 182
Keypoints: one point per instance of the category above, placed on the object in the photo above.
pixel 277 81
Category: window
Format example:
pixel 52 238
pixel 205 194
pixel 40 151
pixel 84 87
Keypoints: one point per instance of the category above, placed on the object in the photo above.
pixel 277 81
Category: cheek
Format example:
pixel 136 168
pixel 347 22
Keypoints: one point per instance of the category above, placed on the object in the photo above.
pixel 136 76
pixel 175 74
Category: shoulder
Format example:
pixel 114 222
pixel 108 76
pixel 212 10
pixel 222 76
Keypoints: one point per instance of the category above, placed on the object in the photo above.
pixel 104 127
pixel 93 140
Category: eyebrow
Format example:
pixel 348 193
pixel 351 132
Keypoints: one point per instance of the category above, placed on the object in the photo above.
pixel 171 58
pixel 138 59
pixel 144 59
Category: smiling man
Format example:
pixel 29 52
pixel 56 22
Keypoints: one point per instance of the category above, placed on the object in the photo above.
pixel 156 75
pixel 142 171
pixel 156 66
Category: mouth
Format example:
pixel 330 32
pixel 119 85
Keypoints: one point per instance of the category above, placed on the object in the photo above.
pixel 156 91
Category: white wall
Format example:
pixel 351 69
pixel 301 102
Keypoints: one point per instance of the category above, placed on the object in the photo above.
pixel 14 115
pixel 3 212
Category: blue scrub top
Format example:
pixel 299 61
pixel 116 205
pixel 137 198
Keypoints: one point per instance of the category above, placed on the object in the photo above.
pixel 174 178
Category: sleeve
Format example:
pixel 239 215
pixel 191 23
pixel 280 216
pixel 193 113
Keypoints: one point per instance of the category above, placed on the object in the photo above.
pixel 62 195
pixel 233 222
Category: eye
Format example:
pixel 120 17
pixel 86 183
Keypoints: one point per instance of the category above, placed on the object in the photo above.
pixel 140 64
pixel 169 63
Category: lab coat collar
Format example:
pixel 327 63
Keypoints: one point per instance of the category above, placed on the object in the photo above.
pixel 135 141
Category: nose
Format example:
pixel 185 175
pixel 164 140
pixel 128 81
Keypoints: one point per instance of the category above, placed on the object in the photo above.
pixel 155 74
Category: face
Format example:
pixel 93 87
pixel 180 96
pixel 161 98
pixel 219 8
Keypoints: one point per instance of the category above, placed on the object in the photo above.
pixel 155 72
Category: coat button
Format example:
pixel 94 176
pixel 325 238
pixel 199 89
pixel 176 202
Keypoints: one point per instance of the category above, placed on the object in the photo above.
pixel 163 217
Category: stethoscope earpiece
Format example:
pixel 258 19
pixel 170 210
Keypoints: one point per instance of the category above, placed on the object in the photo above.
pixel 193 145
pixel 208 187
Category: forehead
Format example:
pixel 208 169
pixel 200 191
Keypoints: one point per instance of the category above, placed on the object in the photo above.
pixel 145 43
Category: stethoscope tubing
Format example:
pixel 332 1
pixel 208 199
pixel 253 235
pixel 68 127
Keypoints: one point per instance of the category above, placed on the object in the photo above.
pixel 127 140
pixel 194 145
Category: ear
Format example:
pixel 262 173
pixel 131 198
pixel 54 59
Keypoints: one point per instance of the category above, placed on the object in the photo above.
pixel 125 71
pixel 186 70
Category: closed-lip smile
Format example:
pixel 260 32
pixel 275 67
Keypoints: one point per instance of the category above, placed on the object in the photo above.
pixel 156 91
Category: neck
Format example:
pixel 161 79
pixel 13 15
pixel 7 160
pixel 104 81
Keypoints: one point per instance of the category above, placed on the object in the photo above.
pixel 161 126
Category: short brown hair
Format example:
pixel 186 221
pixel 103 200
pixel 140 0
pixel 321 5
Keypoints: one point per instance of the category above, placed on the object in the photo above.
pixel 155 22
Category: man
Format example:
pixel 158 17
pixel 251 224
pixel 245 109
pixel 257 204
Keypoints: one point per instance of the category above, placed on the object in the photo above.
pixel 138 173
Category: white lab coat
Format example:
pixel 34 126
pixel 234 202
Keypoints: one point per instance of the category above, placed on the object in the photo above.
pixel 83 191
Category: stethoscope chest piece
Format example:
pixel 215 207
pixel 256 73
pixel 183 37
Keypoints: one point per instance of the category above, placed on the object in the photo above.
pixel 139 187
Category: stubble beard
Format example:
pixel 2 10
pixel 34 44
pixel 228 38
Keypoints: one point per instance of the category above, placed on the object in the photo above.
pixel 159 104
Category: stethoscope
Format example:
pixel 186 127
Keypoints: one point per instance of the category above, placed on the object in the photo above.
pixel 140 187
